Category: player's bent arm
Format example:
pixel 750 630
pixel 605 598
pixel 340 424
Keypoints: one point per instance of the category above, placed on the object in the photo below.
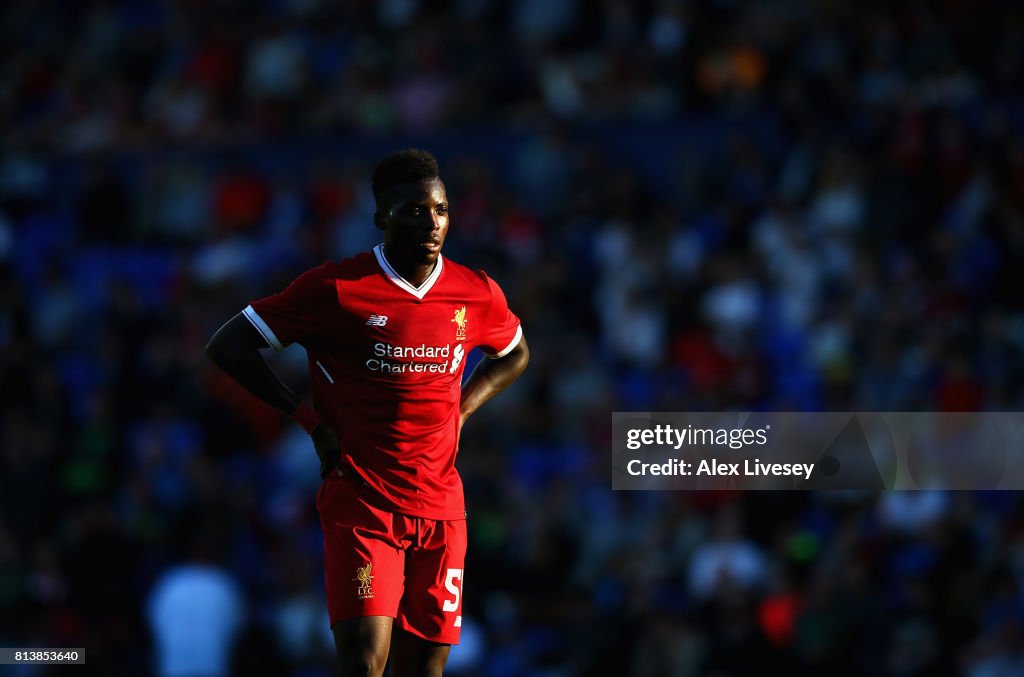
pixel 490 377
pixel 235 348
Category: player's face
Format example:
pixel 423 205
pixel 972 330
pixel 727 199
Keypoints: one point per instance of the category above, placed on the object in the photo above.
pixel 415 222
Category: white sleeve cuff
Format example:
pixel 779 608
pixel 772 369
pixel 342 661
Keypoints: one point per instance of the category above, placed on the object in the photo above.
pixel 262 327
pixel 512 344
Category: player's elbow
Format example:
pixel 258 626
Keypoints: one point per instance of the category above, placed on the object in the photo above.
pixel 234 340
pixel 215 349
pixel 520 356
pixel 220 346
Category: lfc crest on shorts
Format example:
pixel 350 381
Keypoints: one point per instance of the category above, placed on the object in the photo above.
pixel 460 324
pixel 365 580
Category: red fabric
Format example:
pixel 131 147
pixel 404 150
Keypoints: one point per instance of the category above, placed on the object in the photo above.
pixel 306 417
pixel 386 369
pixel 378 563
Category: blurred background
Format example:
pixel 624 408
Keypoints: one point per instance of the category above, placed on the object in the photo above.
pixel 692 205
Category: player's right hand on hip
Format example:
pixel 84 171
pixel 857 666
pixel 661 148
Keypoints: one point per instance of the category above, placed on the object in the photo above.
pixel 325 441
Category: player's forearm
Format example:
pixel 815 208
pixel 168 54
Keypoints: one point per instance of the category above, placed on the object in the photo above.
pixel 235 348
pixel 491 377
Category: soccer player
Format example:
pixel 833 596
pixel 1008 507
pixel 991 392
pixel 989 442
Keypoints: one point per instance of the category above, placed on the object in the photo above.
pixel 387 333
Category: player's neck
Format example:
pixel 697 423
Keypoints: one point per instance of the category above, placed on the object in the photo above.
pixel 413 272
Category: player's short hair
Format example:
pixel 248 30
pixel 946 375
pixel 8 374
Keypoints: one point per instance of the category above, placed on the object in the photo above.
pixel 404 166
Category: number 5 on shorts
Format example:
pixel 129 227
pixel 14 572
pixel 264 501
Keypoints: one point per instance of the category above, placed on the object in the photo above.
pixel 449 584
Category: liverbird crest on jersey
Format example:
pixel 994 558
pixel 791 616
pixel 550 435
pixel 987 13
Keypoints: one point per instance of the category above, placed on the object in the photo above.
pixel 460 324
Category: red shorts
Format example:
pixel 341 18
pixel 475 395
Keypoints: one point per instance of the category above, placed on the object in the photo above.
pixel 381 563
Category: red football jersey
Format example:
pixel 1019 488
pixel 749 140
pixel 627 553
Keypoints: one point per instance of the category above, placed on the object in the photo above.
pixel 386 362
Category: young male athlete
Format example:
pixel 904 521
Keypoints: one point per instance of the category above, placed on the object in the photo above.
pixel 387 333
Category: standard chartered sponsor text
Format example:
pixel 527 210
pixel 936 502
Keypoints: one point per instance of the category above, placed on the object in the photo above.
pixel 421 358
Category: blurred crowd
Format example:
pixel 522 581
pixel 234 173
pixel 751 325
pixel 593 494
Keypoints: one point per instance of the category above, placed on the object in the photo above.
pixel 692 205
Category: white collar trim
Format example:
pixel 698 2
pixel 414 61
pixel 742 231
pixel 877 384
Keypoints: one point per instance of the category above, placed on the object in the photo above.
pixel 399 281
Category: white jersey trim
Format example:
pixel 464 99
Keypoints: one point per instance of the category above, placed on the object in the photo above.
pixel 399 281
pixel 324 370
pixel 262 327
pixel 508 349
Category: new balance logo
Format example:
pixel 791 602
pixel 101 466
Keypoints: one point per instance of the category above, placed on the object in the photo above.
pixel 377 321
